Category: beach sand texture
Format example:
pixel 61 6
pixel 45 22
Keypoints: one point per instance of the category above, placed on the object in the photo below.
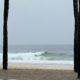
pixel 41 66
pixel 38 72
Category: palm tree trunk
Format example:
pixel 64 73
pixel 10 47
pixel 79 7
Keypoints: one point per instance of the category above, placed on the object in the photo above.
pixel 75 5
pixel 5 35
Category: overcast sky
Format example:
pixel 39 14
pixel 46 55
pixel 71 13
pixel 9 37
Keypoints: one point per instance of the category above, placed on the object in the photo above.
pixel 39 22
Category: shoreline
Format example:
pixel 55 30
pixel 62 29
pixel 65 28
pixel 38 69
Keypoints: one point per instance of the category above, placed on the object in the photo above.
pixel 40 66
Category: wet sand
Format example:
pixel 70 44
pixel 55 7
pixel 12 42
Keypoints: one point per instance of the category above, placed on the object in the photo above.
pixel 41 66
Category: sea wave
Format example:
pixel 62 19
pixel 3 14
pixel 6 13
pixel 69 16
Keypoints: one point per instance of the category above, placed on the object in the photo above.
pixel 39 57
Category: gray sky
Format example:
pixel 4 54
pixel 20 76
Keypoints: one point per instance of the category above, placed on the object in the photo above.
pixel 39 22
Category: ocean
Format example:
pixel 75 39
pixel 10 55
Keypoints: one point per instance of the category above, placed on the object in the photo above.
pixel 40 54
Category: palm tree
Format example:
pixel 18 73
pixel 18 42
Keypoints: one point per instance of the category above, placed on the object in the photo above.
pixel 5 35
pixel 76 13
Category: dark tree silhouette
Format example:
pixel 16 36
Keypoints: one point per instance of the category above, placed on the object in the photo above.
pixel 79 44
pixel 5 35
pixel 76 14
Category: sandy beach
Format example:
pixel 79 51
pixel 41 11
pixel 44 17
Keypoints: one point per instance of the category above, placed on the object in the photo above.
pixel 38 72
pixel 41 66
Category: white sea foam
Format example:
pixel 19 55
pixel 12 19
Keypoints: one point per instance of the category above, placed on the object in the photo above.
pixel 34 58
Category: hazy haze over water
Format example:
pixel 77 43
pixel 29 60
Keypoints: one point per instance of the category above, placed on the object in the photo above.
pixel 39 22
